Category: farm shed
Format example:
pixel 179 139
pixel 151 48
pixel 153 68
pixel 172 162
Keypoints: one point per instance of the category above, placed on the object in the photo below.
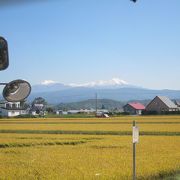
pixel 161 104
pixel 134 108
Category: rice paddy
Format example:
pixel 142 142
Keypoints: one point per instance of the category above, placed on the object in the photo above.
pixel 89 148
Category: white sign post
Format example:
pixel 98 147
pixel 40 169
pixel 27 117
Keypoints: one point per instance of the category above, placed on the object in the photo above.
pixel 135 140
pixel 135 134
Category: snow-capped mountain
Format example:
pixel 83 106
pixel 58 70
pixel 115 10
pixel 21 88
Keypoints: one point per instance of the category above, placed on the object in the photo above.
pixel 115 89
pixel 113 83
pixel 50 85
pixel 48 82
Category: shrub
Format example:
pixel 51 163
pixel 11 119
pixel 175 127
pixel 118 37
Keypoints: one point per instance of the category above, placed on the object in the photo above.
pixel 26 116
pixel 149 112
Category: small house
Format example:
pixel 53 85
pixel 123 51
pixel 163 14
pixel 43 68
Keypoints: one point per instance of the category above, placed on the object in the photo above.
pixel 134 108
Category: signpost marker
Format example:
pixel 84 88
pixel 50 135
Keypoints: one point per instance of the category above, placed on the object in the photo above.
pixel 135 140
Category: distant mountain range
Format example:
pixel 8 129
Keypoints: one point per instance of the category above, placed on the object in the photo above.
pixel 49 85
pixel 115 89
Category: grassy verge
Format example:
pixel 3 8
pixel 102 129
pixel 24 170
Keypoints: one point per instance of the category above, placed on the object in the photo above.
pixel 44 122
pixel 70 116
pixel 10 145
pixel 142 133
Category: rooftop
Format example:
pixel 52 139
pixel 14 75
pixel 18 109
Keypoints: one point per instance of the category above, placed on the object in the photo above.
pixel 167 101
pixel 137 106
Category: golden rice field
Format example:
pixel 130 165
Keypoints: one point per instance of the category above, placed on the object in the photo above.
pixel 88 149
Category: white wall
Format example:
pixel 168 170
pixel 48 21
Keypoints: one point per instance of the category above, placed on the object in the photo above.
pixel 11 113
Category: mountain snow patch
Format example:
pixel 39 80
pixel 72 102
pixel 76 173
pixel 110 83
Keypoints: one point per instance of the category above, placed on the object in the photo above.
pixel 48 82
pixel 112 82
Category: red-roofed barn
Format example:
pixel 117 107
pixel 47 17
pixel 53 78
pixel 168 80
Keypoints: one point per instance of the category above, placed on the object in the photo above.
pixel 134 108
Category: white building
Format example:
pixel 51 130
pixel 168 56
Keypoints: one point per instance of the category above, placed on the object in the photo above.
pixel 58 112
pixel 11 109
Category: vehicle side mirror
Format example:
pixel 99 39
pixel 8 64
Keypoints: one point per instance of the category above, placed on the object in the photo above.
pixel 4 58
pixel 16 90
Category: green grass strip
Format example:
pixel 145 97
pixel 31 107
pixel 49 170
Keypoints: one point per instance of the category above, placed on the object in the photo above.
pixel 143 133
pixel 87 122
pixel 10 145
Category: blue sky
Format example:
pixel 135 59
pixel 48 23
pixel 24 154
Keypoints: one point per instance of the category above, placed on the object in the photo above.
pixel 77 41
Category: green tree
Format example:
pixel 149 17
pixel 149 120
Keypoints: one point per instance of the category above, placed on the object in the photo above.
pixel 49 109
pixel 39 100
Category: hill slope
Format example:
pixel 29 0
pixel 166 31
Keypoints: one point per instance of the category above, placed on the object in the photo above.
pixel 119 94
pixel 91 104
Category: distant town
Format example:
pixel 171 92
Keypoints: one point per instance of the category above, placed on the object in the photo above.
pixel 40 108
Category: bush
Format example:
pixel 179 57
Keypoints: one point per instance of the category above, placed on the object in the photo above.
pixel 162 113
pixel 171 113
pixel 26 116
pixel 121 113
pixel 149 112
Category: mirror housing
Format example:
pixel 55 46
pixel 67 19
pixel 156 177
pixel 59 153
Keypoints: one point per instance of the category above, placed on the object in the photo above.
pixel 4 58
pixel 16 90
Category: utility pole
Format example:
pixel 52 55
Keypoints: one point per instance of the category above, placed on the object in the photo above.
pixel 96 102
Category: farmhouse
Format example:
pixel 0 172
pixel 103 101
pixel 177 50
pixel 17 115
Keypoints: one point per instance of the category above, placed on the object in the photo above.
pixel 12 109
pixel 161 104
pixel 134 108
